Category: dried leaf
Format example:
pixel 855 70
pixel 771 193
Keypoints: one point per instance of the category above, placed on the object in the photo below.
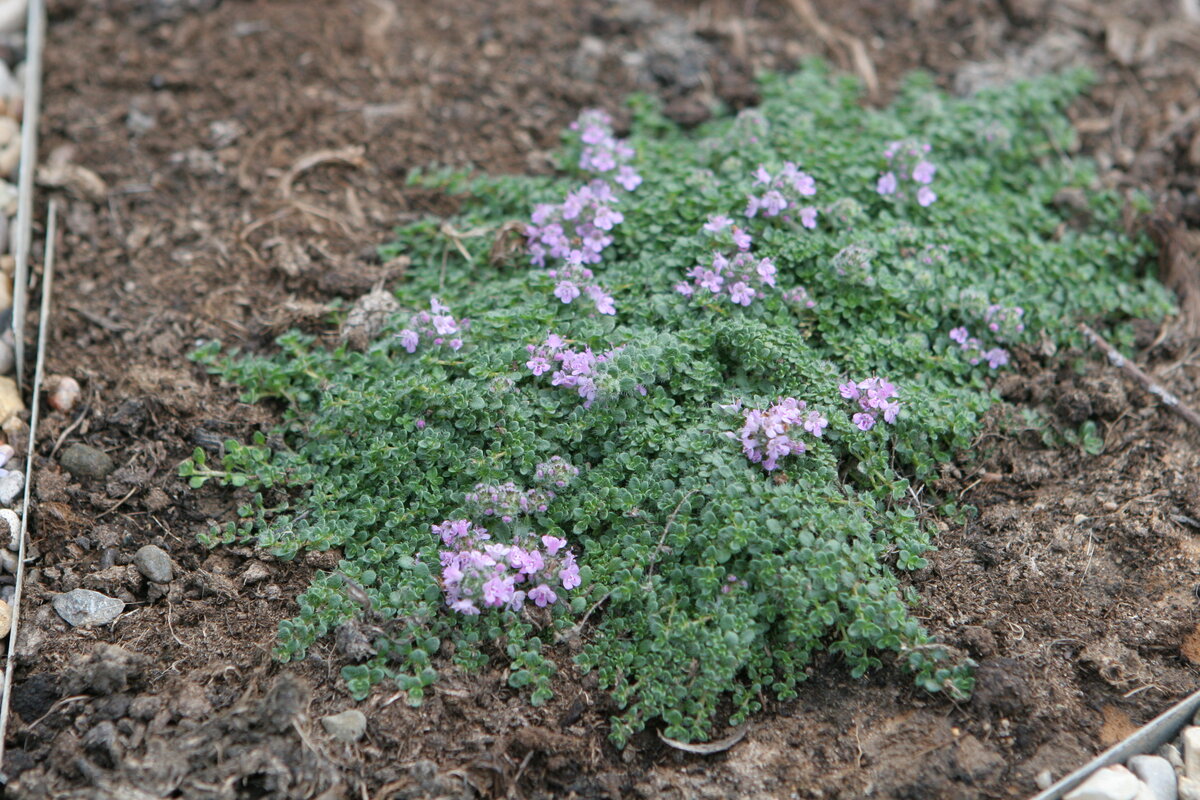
pixel 707 748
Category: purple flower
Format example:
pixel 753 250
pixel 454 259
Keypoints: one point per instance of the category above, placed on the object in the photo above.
pixel 926 196
pixel 887 184
pixel 864 421
pixel 569 575
pixel 923 173
pixel 409 339
pixel 566 291
pixel 606 218
pixel 628 178
pixel 553 544
pixel 464 606
pixel 741 294
pixel 808 217
pixel 498 591
pixel 684 288
pixel 603 300
pixel 960 335
pixel 761 175
pixel 420 424
pixel 538 365
pixel 849 391
pixel 815 423
pixel 996 357
pixel 542 595
pixel 773 203
pixel 766 271
pixel 717 223
pixel 741 239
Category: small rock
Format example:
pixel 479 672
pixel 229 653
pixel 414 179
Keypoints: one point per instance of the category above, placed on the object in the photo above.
pixel 154 563
pixel 12 15
pixel 1191 751
pixel 11 484
pixel 1171 753
pixel 1188 789
pixel 8 561
pixel 1044 779
pixel 348 726
pixel 7 357
pixel 11 528
pixel 5 619
pixel 255 572
pixel 1157 774
pixel 85 461
pixel 11 403
pixel 1110 783
pixel 83 607
pixel 63 392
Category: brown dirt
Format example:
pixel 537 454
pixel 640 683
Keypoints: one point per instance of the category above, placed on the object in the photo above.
pixel 1075 588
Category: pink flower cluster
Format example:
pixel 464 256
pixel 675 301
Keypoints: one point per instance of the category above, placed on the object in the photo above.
pixel 603 153
pixel 740 276
pixel 783 191
pixel 573 369
pixel 907 162
pixel 574 280
pixel 507 500
pixel 577 229
pixel 996 357
pixel 1005 322
pixel 875 397
pixel 767 436
pixel 557 472
pixel 799 296
pixel 437 325
pixel 478 574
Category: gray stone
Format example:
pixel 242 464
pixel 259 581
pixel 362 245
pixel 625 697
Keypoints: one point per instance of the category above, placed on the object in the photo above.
pixel 8 561
pixel 1110 783
pixel 11 484
pixel 1158 775
pixel 85 461
pixel 348 726
pixel 154 563
pixel 83 607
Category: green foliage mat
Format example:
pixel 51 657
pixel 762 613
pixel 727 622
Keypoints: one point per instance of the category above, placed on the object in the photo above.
pixel 707 578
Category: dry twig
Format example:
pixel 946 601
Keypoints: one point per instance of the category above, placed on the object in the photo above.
pixel 1145 381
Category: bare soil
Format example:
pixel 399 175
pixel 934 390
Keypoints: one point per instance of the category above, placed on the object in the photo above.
pixel 254 154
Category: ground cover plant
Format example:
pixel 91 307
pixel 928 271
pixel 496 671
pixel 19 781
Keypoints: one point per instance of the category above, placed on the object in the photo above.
pixel 678 425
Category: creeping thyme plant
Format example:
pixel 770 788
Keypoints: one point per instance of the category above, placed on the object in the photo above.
pixel 678 429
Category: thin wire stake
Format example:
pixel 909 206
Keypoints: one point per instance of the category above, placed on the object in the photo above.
pixel 35 406
pixel 23 241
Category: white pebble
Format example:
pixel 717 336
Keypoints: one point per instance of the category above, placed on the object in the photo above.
pixel 1110 783
pixel 1191 752
pixel 63 392
pixel 1157 776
